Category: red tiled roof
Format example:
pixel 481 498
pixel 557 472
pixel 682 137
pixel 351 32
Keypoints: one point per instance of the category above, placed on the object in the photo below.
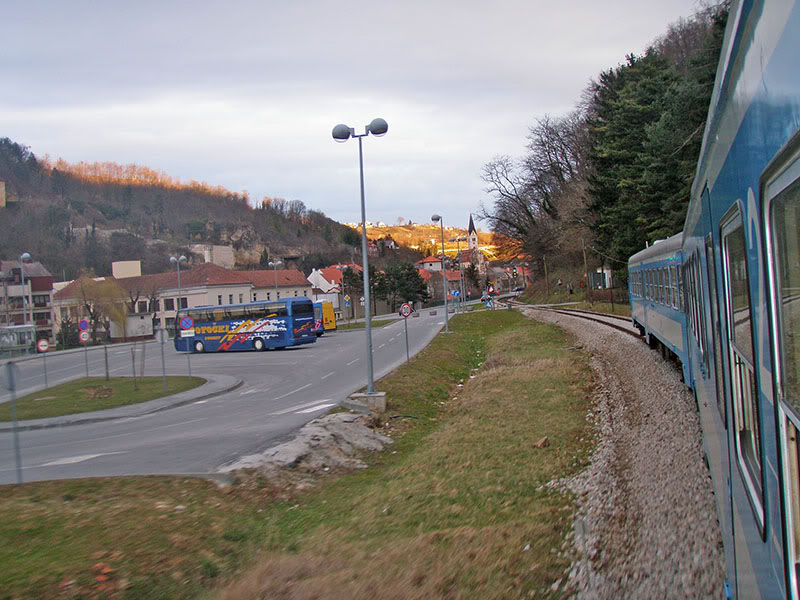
pixel 426 275
pixel 428 259
pixel 284 277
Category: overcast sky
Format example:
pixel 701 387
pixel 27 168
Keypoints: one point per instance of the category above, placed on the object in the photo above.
pixel 245 94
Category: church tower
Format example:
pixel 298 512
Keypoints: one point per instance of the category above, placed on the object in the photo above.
pixel 472 235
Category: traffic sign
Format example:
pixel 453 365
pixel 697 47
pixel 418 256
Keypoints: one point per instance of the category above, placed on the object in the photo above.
pixel 42 345
pixel 406 310
pixel 456 293
pixel 83 325
pixel 347 298
pixel 187 322
pixel 84 335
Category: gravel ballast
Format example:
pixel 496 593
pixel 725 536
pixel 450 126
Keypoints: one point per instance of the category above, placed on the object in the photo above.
pixel 646 521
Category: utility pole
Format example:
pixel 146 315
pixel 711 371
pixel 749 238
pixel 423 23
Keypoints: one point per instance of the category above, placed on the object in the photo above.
pixel 586 273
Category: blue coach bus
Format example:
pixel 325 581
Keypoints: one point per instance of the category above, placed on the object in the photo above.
pixel 253 326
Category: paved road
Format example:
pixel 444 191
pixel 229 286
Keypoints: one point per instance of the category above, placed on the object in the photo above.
pixel 282 390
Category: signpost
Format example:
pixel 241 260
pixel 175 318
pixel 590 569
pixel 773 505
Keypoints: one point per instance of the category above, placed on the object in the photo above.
pixel 405 312
pixel 83 325
pixel 11 376
pixel 187 331
pixel 42 346
pixel 162 338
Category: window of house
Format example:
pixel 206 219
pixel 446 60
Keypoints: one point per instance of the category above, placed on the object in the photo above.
pixel 268 296
pixel 241 298
pixel 155 306
pixel 169 304
pixel 230 298
pixel 219 300
pixel 141 306
pixel 254 296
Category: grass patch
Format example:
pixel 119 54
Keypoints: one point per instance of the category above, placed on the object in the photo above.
pixel 457 507
pixel 95 393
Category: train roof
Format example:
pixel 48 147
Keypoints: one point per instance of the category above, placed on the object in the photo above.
pixel 659 249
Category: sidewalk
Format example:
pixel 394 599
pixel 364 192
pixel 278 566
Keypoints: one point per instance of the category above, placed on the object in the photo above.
pixel 215 385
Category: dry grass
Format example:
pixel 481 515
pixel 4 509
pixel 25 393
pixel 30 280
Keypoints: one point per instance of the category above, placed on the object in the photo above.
pixel 464 513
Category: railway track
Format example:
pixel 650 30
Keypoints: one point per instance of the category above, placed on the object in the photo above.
pixel 603 318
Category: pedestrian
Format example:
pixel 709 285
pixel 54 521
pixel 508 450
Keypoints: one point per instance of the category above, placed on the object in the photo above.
pixel 569 287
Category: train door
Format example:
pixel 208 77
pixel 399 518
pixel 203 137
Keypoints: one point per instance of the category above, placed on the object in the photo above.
pixel 744 397
pixel 782 196
pixel 711 274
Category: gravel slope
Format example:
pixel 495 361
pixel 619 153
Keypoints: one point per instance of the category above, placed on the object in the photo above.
pixel 646 524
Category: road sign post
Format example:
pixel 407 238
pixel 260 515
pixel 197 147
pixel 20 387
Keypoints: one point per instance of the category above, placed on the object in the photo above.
pixel 12 375
pixel 42 346
pixel 406 311
pixel 187 330
pixel 84 337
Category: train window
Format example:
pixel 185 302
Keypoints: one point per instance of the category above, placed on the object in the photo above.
pixel 681 289
pixel 783 194
pixel 786 236
pixel 743 377
pixel 673 278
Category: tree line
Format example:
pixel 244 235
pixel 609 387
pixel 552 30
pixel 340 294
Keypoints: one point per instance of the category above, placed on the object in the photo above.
pixel 616 172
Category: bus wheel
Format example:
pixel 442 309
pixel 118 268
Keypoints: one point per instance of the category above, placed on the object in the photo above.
pixel 258 344
pixel 198 346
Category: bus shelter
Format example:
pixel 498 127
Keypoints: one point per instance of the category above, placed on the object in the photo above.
pixel 16 340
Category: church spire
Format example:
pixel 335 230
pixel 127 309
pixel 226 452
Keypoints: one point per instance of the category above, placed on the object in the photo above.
pixel 471 225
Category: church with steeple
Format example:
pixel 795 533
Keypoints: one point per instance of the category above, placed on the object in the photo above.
pixel 473 254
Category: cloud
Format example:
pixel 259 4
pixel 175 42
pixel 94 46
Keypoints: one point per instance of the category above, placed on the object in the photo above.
pixel 245 94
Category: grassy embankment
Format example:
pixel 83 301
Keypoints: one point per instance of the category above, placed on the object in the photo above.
pixel 457 506
pixel 95 393
pixel 580 297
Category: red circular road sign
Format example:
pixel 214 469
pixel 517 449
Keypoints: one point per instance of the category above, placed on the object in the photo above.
pixel 83 325
pixel 406 310
pixel 42 345
pixel 187 322
pixel 84 335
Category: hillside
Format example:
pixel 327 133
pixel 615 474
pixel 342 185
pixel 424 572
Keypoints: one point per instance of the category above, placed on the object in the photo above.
pixel 71 217
pixel 426 238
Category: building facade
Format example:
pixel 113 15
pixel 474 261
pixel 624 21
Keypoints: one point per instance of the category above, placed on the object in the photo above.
pixel 28 302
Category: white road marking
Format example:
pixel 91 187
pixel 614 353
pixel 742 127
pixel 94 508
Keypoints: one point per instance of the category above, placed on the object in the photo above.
pixel 200 402
pixel 315 408
pixel 328 375
pixel 76 459
pixel 381 346
pixel 352 362
pixel 300 406
pixel 293 391
pixel 253 391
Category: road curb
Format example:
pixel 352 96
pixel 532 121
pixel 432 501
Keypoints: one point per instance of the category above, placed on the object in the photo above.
pixel 215 385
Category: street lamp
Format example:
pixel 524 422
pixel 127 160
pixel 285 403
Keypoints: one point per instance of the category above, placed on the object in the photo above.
pixel 177 262
pixel 342 133
pixel 22 258
pixel 274 266
pixel 438 219
pixel 458 241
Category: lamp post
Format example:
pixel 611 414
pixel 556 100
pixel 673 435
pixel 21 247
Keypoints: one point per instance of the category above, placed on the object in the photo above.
pixel 177 262
pixel 341 133
pixel 438 219
pixel 274 266
pixel 22 258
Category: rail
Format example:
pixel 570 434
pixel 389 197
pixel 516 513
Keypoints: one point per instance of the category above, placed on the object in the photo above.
pixel 585 314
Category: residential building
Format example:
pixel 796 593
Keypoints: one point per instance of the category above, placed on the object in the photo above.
pixel 155 298
pixel 29 302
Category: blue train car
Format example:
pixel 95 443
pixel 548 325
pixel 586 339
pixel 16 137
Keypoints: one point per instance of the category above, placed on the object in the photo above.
pixel 741 268
pixel 655 287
